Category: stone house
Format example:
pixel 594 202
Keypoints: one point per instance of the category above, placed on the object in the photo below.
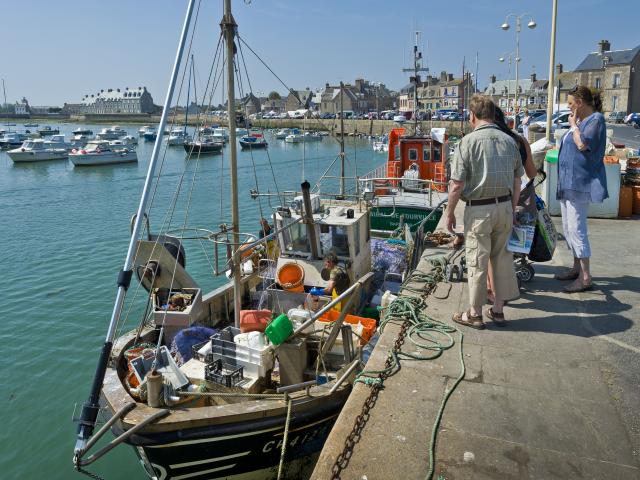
pixel 330 99
pixel 250 104
pixel 615 73
pixel 274 105
pixel 298 100
pixel 502 92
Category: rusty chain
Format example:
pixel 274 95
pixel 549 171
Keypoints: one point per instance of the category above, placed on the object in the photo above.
pixel 342 460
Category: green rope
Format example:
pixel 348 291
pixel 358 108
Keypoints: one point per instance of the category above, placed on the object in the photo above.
pixel 424 332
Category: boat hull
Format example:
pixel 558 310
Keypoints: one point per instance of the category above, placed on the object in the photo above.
pixel 387 218
pixel 252 145
pixel 30 156
pixel 200 149
pixel 247 450
pixel 107 159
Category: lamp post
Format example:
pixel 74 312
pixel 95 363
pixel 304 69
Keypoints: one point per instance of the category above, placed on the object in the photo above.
pixel 552 57
pixel 502 58
pixel 505 26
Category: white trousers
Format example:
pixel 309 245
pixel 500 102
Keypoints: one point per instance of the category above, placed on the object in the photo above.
pixel 574 225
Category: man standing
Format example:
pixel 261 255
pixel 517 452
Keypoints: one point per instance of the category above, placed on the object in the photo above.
pixel 485 174
pixel 338 278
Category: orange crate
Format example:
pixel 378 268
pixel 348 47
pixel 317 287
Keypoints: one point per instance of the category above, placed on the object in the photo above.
pixel 368 324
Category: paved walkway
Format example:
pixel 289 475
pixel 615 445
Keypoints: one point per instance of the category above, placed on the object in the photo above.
pixel 554 395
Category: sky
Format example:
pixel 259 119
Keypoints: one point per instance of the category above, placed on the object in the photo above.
pixel 59 51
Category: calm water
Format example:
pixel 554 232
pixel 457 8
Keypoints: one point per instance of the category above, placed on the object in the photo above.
pixel 66 230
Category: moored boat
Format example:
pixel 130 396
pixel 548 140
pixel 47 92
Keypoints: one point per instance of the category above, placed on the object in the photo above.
pixel 111 133
pixel 37 150
pixel 204 144
pixel 253 141
pixel 99 152
pixel 47 130
pixel 82 131
pixel 12 140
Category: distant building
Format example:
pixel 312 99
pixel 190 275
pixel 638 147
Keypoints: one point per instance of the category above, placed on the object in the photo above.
pixel 114 101
pixel 362 96
pixel 22 107
pixel 503 92
pixel 250 104
pixel 298 100
pixel 616 73
pixel 274 105
pixel 330 99
pixel 444 92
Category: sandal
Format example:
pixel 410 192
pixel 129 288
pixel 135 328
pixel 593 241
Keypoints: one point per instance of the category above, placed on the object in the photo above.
pixel 568 275
pixel 578 288
pixel 497 318
pixel 471 320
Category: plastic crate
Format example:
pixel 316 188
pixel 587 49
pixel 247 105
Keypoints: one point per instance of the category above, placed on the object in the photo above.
pixel 195 349
pixel 223 374
pixel 256 362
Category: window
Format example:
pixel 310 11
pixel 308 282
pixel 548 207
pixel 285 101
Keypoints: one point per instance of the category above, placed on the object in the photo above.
pixel 413 154
pixel 616 81
pixel 598 83
pixel 614 103
pixel 532 100
pixel 397 152
pixel 436 154
pixel 426 154
pixel 333 237
pixel 295 238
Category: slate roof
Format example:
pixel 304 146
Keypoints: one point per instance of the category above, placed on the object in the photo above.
pixel 498 87
pixel 113 94
pixel 593 61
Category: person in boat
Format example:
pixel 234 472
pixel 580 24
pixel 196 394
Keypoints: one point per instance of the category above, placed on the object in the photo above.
pixel 485 174
pixel 529 169
pixel 271 246
pixel 338 278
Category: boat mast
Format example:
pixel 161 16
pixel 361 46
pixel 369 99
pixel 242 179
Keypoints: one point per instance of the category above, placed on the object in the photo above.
pixel 228 26
pixel 91 407
pixel 342 191
pixel 417 57
pixel 186 110
pixel 5 102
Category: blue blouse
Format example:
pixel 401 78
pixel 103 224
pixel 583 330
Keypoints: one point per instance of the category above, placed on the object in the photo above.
pixel 584 171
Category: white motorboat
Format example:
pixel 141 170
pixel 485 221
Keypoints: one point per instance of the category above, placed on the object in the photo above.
pixel 294 138
pixel 99 152
pixel 283 133
pixel 220 134
pixel 12 140
pixel 312 137
pixel 178 137
pixel 124 142
pixel 143 129
pixel 37 150
pixel 111 133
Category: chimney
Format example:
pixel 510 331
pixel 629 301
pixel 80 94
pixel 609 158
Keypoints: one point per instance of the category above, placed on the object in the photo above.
pixel 443 76
pixel 492 79
pixel 605 46
pixel 559 68
pixel 533 77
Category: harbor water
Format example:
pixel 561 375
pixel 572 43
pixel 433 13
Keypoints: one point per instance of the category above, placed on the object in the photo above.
pixel 66 231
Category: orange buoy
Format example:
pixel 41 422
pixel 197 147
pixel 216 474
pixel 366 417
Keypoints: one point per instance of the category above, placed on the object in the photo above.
pixel 625 205
pixel 636 200
pixel 290 277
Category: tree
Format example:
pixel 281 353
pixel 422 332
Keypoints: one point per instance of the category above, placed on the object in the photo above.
pixel 274 95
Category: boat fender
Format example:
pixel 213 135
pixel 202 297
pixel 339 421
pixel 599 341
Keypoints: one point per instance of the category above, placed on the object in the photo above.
pixel 72 151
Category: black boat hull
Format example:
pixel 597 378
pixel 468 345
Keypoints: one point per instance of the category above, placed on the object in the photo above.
pixel 196 149
pixel 252 145
pixel 242 451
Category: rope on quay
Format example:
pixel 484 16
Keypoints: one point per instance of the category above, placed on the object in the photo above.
pixel 423 332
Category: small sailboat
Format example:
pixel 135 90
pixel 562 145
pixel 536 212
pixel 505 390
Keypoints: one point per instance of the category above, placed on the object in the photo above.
pixel 253 141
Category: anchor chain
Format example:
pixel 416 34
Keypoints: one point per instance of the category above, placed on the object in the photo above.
pixel 342 460
pixel 88 473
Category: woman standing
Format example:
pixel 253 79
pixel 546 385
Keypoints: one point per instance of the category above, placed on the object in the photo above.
pixel 526 119
pixel 581 180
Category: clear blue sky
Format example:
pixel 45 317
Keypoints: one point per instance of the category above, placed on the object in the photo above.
pixel 54 52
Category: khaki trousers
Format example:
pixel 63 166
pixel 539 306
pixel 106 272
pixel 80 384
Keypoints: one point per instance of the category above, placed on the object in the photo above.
pixel 486 231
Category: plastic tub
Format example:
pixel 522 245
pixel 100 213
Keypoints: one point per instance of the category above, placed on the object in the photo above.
pixel 290 276
pixel 256 362
pixel 368 324
pixel 279 329
pixel 254 320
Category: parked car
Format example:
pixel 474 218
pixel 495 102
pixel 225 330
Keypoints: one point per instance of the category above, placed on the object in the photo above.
pixel 635 122
pixel 616 117
pixel 558 120
pixel 534 116
pixel 631 118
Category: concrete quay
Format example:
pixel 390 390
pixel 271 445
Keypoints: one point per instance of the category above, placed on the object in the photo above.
pixel 554 395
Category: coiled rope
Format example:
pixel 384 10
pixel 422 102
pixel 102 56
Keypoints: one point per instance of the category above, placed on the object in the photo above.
pixel 425 333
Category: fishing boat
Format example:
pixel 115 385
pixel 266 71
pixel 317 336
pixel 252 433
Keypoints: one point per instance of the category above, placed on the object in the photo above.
pixel 99 152
pixel 111 133
pixel 82 131
pixel 294 137
pixel 253 141
pixel 12 140
pixel 203 145
pixel 37 150
pixel 143 129
pixel 31 125
pixel 283 132
pixel 178 136
pixel 150 134
pixel 80 140
pixel 223 410
pixel 47 130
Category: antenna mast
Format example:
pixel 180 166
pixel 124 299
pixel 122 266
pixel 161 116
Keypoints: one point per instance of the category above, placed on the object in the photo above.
pixel 416 69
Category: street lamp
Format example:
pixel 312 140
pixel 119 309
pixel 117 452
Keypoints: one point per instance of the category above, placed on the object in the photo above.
pixel 505 26
pixel 502 58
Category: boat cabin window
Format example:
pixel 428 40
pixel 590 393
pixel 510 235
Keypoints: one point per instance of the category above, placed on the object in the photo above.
pixel 437 157
pixel 334 237
pixel 413 154
pixel 296 239
pixel 397 152
pixel 426 154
